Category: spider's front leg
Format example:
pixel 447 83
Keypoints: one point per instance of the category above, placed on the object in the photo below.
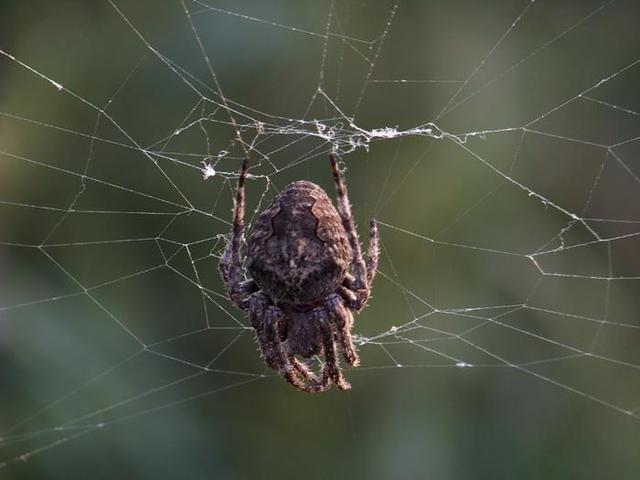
pixel 331 369
pixel 343 321
pixel 230 264
pixel 267 320
pixel 258 304
pixel 363 272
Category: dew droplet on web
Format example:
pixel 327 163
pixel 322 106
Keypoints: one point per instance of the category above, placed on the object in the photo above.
pixel 58 86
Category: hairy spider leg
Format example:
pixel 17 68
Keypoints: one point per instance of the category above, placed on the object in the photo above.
pixel 273 317
pixel 257 308
pixel 331 368
pixel 266 319
pixel 361 271
pixel 372 252
pixel 303 369
pixel 343 320
pixel 230 264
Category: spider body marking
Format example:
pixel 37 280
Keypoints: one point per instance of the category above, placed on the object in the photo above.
pixel 298 251
pixel 307 276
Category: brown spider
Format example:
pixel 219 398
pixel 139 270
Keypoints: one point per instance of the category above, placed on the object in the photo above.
pixel 301 294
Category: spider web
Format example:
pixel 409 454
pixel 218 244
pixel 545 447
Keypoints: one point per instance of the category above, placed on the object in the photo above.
pixel 497 149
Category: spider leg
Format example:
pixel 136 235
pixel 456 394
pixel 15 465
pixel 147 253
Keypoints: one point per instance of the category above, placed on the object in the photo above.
pixel 303 369
pixel 372 252
pixel 266 320
pixel 363 273
pixel 331 368
pixel 343 320
pixel 348 296
pixel 290 371
pixel 257 308
pixel 230 264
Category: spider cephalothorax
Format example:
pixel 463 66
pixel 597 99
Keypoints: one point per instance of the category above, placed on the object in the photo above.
pixel 307 275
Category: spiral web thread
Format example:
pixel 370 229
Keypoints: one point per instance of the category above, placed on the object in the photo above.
pixel 252 133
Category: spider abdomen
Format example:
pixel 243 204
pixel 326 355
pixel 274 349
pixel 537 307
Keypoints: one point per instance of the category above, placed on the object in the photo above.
pixel 298 251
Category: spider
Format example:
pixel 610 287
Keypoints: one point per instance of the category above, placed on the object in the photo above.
pixel 307 276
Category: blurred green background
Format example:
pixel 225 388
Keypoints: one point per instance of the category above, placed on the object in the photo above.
pixel 120 356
